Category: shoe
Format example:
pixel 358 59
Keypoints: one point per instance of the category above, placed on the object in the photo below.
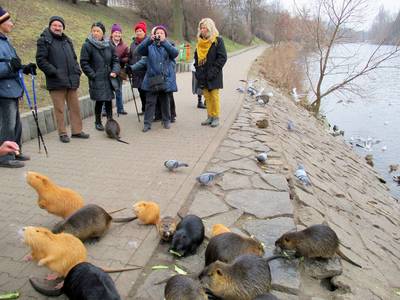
pixel 173 120
pixel 64 138
pixel 146 128
pixel 215 122
pixel 22 157
pixel 167 125
pixel 122 113
pixel 200 105
pixel 80 135
pixel 99 127
pixel 12 164
pixel 208 121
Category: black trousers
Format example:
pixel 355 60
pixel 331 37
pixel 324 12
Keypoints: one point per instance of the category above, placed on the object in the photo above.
pixel 151 102
pixel 142 94
pixel 98 107
pixel 171 104
pixel 10 124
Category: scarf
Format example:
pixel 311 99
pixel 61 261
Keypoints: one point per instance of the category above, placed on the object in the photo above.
pixel 99 44
pixel 202 47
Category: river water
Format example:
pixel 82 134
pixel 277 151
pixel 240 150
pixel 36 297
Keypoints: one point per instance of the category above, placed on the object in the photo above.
pixel 374 114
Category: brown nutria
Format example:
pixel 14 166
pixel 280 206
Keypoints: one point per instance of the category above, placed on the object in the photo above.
pixel 188 236
pixel 262 123
pixel 56 200
pixel 148 212
pixel 59 252
pixel 218 229
pixel 181 287
pixel 227 246
pixel 247 277
pixel 316 241
pixel 88 222
pixel 166 228
pixel 113 130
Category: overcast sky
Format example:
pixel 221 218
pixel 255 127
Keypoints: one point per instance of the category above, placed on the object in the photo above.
pixel 393 6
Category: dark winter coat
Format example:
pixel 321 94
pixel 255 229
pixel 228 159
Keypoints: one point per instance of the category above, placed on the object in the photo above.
pixel 10 86
pixel 133 58
pixel 88 282
pixel 209 75
pixel 160 61
pixel 97 64
pixel 56 57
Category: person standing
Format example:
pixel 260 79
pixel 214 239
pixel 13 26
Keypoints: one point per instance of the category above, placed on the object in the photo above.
pixel 122 51
pixel 160 79
pixel 134 57
pixel 10 92
pixel 210 57
pixel 56 57
pixel 195 88
pixel 100 65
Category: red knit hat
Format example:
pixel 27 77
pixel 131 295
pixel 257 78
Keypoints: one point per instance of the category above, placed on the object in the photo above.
pixel 141 25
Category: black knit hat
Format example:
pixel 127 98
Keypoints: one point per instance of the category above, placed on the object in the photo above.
pixel 4 16
pixel 57 18
pixel 100 25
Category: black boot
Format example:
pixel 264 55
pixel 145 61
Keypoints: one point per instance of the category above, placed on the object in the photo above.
pixel 200 103
pixel 98 124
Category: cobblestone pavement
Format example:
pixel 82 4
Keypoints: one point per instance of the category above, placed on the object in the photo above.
pixel 115 175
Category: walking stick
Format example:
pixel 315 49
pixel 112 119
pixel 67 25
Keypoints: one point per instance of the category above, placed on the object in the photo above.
pixel 133 94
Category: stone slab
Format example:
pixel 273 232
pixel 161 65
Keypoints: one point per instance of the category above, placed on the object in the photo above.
pixel 277 181
pixel 234 181
pixel 323 268
pixel 285 276
pixel 206 204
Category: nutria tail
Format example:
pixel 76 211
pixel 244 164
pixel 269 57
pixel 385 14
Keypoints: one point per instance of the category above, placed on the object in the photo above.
pixel 123 220
pixel 268 259
pixel 121 141
pixel 340 253
pixel 121 270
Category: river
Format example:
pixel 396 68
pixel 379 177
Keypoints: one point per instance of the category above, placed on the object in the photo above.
pixel 374 113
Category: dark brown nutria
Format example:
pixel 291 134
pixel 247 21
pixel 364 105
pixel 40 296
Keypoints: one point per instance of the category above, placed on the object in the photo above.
pixel 166 228
pixel 316 241
pixel 188 236
pixel 88 222
pixel 247 277
pixel 262 123
pixel 113 130
pixel 227 246
pixel 181 287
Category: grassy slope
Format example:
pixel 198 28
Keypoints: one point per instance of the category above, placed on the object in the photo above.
pixel 31 17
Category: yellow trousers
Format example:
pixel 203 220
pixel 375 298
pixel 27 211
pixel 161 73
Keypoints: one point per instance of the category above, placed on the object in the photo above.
pixel 212 102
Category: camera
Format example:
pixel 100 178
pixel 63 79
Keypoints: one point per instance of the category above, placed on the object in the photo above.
pixel 157 38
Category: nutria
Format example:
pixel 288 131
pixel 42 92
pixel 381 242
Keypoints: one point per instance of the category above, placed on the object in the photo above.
pixel 166 228
pixel 88 222
pixel 218 229
pixel 227 246
pixel 188 236
pixel 262 123
pixel 148 212
pixel 181 287
pixel 113 130
pixel 316 241
pixel 247 277
pixel 56 200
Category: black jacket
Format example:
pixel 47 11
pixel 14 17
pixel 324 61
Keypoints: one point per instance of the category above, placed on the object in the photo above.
pixel 133 58
pixel 97 64
pixel 209 75
pixel 56 57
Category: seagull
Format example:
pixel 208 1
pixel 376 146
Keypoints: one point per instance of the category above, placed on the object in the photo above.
pixel 262 157
pixel 173 164
pixel 208 178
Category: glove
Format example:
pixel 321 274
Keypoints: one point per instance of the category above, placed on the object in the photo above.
pixel 29 69
pixel 15 64
pixel 128 70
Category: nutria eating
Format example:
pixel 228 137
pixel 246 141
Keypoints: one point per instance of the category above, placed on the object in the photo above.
pixel 166 228
pixel 88 222
pixel 113 130
pixel 218 229
pixel 247 277
pixel 188 236
pixel 56 200
pixel 181 287
pixel 316 241
pixel 227 246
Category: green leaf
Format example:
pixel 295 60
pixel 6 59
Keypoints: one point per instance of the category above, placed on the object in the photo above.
pixel 180 271
pixel 175 253
pixel 159 267
pixel 13 295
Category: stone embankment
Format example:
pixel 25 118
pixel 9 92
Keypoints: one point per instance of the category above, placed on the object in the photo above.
pixel 266 200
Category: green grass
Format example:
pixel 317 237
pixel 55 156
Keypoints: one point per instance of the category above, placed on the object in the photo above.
pixel 31 17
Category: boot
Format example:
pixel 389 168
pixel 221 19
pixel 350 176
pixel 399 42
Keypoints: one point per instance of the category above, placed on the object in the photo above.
pixel 200 103
pixel 215 122
pixel 208 121
pixel 98 124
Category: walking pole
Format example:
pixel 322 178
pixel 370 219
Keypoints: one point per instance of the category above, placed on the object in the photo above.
pixel 133 94
pixel 35 107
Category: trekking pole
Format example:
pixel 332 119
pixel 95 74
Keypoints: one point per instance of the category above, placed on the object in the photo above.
pixel 133 94
pixel 35 107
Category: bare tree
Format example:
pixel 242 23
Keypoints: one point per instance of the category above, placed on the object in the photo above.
pixel 177 17
pixel 328 30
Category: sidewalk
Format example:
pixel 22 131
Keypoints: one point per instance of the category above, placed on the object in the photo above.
pixel 114 175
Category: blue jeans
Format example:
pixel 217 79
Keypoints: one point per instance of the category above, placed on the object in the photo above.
pixel 10 124
pixel 119 101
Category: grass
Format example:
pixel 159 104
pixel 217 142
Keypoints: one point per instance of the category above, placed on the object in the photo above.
pixel 31 17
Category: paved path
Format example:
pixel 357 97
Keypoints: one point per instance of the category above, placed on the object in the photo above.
pixel 116 175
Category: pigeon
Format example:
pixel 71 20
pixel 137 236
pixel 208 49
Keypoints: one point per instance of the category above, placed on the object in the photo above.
pixel 262 99
pixel 262 157
pixel 302 175
pixel 393 168
pixel 173 164
pixel 290 125
pixel 208 178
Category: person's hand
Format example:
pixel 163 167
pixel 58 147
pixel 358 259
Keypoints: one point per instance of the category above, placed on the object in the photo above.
pixel 15 64
pixel 8 147
pixel 29 69
pixel 113 74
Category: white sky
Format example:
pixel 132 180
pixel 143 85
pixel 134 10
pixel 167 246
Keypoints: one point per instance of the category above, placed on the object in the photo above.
pixel 392 6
